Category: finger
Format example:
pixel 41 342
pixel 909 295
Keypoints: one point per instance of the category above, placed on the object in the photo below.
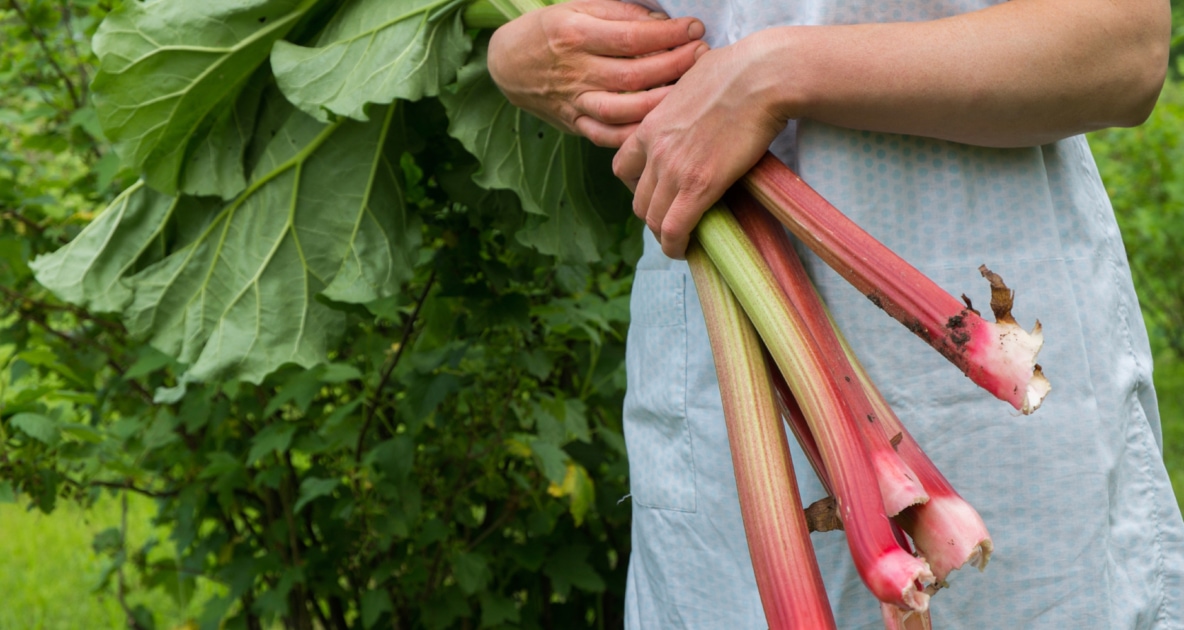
pixel 642 197
pixel 643 73
pixel 680 220
pixel 629 163
pixel 633 38
pixel 616 10
pixel 664 194
pixel 615 108
pixel 604 135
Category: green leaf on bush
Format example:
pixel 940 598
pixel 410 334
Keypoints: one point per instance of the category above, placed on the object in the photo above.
pixel 550 459
pixel 274 438
pixel 166 68
pixel 374 603
pixel 37 426
pixel 569 567
pixel 314 488
pixel 497 611
pixel 518 152
pixel 471 572
pixel 374 51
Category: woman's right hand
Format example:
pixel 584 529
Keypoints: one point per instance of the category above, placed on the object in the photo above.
pixel 593 67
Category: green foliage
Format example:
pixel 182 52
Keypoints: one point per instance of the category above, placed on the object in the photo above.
pixel 1143 169
pixel 361 386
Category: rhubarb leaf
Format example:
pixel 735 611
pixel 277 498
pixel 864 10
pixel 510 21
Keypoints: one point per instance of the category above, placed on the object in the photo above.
pixel 544 166
pixel 167 68
pixel 90 270
pixel 215 164
pixel 374 51
pixel 237 289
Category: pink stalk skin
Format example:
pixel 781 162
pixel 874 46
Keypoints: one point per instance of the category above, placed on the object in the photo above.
pixel 1000 357
pixel 787 576
pixel 890 572
pixel 899 487
pixel 793 415
pixel 895 618
pixel 947 530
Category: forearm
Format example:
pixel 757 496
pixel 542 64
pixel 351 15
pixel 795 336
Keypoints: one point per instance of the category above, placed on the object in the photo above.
pixel 1021 73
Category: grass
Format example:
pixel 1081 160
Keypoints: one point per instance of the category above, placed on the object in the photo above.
pixel 49 572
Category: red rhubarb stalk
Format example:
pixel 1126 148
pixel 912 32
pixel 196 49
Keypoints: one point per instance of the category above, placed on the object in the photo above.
pixel 891 573
pixel 899 487
pixel 1000 357
pixel 895 618
pixel 787 575
pixel 947 530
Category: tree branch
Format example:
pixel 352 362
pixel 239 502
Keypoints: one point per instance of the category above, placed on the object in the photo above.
pixel 75 97
pixel 389 368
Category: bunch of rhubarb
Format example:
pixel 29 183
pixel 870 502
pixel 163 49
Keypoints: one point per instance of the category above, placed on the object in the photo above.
pixel 906 527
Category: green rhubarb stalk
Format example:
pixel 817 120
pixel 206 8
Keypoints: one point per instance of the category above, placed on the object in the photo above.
pixel 787 576
pixel 891 573
pixel 1000 357
pixel 899 487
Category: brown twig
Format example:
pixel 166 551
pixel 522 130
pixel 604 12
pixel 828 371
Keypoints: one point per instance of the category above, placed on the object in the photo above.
pixel 389 368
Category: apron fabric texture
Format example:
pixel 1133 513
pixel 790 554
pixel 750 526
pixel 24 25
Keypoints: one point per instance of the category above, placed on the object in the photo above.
pixel 1087 532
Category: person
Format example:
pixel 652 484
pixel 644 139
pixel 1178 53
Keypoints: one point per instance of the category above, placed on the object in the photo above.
pixel 950 130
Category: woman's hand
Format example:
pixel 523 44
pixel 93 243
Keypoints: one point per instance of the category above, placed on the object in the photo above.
pixel 708 131
pixel 593 67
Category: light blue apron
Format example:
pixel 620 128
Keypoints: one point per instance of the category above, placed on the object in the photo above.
pixel 1086 529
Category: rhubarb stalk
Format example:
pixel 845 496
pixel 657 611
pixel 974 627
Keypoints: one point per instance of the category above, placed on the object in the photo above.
pixel 950 533
pixel 891 573
pixel 1000 357
pixel 787 575
pixel 899 487
pixel 947 530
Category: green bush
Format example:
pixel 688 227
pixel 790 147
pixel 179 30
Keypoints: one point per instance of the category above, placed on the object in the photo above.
pixel 456 463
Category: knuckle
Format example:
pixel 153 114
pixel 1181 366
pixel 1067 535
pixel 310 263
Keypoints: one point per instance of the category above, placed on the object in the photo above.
pixel 618 168
pixel 627 40
pixel 566 35
pixel 630 79
pixel 639 212
pixel 601 110
pixel 695 180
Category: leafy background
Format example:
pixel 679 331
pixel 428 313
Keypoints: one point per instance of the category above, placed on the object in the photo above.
pixel 459 462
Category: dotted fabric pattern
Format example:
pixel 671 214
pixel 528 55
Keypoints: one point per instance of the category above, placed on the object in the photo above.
pixel 1086 528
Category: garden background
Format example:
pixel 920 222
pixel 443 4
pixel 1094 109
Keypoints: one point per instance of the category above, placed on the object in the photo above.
pixel 457 464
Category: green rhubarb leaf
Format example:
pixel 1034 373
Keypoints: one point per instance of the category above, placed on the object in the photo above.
pixel 544 166
pixel 90 270
pixel 215 163
pixel 167 68
pixel 236 289
pixel 323 216
pixel 374 51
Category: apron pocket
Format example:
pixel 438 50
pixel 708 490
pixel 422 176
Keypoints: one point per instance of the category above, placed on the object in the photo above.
pixel 661 460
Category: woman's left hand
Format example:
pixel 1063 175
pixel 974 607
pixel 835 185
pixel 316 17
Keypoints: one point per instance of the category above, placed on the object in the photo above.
pixel 709 130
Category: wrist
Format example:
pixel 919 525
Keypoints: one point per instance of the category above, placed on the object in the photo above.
pixel 782 77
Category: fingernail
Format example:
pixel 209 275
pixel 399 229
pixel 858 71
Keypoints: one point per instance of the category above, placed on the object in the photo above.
pixel 701 50
pixel 696 29
pixel 658 15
